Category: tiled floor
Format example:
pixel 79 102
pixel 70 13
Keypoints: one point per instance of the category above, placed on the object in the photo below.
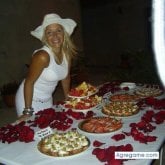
pixel 8 115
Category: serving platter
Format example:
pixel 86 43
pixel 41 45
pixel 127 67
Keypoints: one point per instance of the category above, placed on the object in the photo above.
pixel 69 147
pixel 124 117
pixel 99 127
pixel 83 105
pixel 120 109
pixel 148 91
pixel 124 97
pixel 96 107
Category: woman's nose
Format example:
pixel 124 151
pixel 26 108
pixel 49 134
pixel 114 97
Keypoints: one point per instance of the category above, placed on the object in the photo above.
pixel 54 34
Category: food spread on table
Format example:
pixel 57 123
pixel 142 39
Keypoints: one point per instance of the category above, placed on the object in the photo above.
pixel 83 90
pixel 84 97
pixel 148 91
pixel 63 144
pixel 100 124
pixel 120 109
pixel 84 103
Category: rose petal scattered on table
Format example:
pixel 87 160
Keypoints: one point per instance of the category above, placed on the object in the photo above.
pixel 118 137
pixel 97 143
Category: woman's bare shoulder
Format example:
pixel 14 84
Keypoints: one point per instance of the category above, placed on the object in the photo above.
pixel 41 56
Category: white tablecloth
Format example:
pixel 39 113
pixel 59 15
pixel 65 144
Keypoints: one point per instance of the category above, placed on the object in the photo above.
pixel 20 153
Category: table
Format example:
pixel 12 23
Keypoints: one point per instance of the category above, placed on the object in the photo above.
pixel 20 153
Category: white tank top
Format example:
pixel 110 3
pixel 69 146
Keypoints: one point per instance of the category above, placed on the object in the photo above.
pixel 48 80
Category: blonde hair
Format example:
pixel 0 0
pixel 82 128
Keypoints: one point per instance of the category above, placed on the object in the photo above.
pixel 68 47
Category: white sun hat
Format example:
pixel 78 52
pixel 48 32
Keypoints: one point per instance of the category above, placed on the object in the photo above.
pixel 68 25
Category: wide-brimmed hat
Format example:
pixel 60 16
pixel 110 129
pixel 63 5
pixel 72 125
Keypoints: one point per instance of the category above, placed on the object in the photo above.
pixel 68 25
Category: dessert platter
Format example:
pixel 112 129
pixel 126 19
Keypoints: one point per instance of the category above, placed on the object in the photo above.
pixel 84 104
pixel 120 109
pixel 125 97
pixel 83 98
pixel 149 91
pixel 63 144
pixel 100 125
pixel 83 90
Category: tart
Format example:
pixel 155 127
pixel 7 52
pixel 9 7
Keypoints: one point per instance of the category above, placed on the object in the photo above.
pixel 124 97
pixel 120 109
pixel 149 91
pixel 83 90
pixel 99 125
pixel 63 144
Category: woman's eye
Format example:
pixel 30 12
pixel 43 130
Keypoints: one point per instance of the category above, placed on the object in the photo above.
pixel 59 30
pixel 49 33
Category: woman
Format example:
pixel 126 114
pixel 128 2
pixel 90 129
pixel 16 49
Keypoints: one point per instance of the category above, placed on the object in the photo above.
pixel 49 65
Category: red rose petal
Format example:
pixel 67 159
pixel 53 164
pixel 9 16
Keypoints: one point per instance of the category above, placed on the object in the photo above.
pixel 118 137
pixel 127 133
pixel 107 155
pixel 95 151
pixel 115 162
pixel 128 147
pixel 151 138
pixel 159 117
pixel 100 154
pixel 132 125
pixel 126 88
pixel 97 143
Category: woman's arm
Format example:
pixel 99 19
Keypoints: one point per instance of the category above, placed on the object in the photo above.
pixel 66 82
pixel 66 85
pixel 39 61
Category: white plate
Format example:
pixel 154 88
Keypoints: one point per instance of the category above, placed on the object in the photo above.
pixel 63 157
pixel 96 107
pixel 98 134
pixel 124 117
pixel 107 96
pixel 130 85
pixel 90 133
pixel 81 97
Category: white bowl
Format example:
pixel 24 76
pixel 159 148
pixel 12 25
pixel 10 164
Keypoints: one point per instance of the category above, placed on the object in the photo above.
pixel 130 85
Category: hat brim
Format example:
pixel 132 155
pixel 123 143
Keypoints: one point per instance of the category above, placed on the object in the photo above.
pixel 68 25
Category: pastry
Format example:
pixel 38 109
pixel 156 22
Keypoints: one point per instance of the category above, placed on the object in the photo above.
pixel 100 125
pixel 63 144
pixel 120 109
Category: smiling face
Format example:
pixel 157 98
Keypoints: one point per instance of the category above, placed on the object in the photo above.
pixel 54 35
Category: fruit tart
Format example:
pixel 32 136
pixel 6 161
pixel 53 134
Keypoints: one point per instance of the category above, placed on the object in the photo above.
pixel 83 90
